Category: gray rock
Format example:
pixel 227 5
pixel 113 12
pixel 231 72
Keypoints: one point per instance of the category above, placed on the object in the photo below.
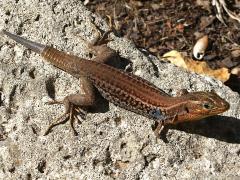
pixel 111 144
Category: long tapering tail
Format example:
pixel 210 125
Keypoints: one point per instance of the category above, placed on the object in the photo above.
pixel 62 60
pixel 36 47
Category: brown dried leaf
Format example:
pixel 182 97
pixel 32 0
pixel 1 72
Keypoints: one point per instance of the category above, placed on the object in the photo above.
pixel 206 21
pixel 205 4
pixel 180 28
pixel 235 53
pixel 202 67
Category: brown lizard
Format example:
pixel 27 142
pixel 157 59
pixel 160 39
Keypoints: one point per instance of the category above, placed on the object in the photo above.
pixel 123 89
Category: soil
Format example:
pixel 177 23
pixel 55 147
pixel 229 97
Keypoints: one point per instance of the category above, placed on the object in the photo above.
pixel 161 26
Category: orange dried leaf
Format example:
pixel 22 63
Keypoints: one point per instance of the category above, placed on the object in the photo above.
pixel 202 67
pixel 169 24
pixel 175 58
pixel 180 28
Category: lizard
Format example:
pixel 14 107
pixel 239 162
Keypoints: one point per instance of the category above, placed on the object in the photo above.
pixel 123 89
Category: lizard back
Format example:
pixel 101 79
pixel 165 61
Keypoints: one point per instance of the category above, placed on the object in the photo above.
pixel 119 87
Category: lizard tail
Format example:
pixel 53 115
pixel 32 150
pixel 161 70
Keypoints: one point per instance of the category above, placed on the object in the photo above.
pixel 36 47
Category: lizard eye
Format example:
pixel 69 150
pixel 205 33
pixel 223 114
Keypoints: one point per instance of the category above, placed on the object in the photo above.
pixel 207 105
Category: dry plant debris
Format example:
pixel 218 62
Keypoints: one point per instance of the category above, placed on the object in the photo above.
pixel 162 26
pixel 199 67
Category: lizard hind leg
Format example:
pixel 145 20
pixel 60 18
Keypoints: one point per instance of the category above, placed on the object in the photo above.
pixel 57 122
pixel 74 105
pixel 72 109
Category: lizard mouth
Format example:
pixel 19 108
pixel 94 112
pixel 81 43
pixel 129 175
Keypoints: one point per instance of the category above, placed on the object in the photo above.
pixel 221 109
pixel 218 110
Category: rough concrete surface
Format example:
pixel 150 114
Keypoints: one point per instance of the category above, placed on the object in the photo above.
pixel 111 144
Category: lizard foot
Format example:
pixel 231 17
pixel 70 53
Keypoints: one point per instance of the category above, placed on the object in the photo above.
pixel 159 128
pixel 70 115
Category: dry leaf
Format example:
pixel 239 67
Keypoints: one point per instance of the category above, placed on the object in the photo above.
pixel 175 58
pixel 180 28
pixel 235 53
pixel 202 67
pixel 205 4
pixel 206 21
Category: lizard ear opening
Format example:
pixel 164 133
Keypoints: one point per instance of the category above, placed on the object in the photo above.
pixel 186 109
pixel 182 92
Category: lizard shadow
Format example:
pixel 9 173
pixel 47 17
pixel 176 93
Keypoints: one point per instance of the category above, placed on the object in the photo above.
pixel 101 104
pixel 120 63
pixel 222 128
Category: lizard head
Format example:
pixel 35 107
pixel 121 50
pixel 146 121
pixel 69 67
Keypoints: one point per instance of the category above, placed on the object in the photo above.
pixel 202 104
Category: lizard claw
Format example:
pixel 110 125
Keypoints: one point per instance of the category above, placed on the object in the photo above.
pixel 159 128
pixel 68 116
pixel 57 122
pixel 82 114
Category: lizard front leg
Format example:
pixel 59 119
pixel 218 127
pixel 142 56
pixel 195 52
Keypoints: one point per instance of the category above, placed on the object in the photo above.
pixel 73 105
pixel 100 50
pixel 161 124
